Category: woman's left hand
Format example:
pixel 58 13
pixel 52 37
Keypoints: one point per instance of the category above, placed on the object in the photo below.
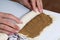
pixel 33 4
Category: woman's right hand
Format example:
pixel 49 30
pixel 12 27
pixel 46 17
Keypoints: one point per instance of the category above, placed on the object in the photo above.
pixel 7 25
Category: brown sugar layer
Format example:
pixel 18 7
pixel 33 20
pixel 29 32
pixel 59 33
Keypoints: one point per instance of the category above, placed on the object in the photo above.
pixel 36 25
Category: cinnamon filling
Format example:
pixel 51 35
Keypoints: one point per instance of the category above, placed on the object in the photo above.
pixel 36 25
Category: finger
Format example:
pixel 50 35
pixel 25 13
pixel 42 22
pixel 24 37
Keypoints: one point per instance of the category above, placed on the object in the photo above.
pixel 9 16
pixel 7 28
pixel 3 31
pixel 10 24
pixel 27 3
pixel 34 5
pixel 40 6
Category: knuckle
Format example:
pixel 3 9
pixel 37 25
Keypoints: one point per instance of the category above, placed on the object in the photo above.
pixel 9 14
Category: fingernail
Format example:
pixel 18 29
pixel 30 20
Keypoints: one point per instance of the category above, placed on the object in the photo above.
pixel 16 31
pixel 20 22
pixel 11 33
pixel 41 11
pixel 36 10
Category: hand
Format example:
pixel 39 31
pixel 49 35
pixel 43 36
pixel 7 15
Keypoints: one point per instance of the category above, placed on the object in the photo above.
pixel 33 4
pixel 7 25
